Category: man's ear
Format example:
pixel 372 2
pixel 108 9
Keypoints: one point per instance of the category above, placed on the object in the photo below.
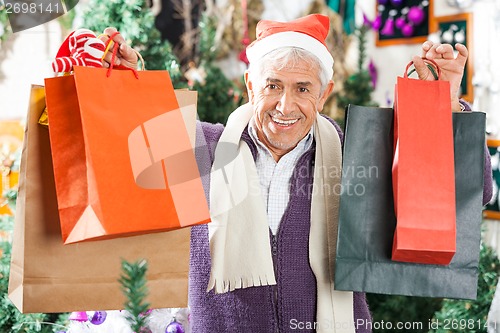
pixel 324 96
pixel 249 85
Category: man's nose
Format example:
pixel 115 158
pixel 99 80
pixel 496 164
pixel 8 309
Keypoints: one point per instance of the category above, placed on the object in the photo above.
pixel 286 103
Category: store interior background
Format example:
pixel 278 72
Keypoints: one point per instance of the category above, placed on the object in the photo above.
pixel 26 56
pixel 25 59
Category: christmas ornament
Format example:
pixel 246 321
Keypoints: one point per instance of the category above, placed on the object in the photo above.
pixel 174 327
pixel 195 74
pixel 97 317
pixel 246 40
pixel 460 36
pixel 243 54
pixel 373 73
pixel 397 2
pixel 79 316
pixel 80 48
pixel 400 22
pixel 383 2
pixel 377 23
pixel 388 29
pixel 407 30
pixel 447 36
pixel 366 21
pixel 416 15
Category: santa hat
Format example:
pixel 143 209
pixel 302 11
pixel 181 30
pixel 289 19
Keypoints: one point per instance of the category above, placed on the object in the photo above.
pixel 308 32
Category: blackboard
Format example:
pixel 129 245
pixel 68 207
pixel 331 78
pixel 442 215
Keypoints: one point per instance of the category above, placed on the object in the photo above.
pixel 420 31
pixel 458 28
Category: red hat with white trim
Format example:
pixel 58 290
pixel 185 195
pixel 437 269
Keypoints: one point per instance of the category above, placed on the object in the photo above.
pixel 308 32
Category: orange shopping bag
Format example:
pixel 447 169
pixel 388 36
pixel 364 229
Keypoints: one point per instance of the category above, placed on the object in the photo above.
pixel 123 161
pixel 423 172
pixel 82 276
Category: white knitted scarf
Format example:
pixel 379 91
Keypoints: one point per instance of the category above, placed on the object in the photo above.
pixel 239 232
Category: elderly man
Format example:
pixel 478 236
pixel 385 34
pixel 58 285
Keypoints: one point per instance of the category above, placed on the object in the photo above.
pixel 260 265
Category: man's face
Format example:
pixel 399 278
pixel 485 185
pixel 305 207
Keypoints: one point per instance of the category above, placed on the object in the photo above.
pixel 285 102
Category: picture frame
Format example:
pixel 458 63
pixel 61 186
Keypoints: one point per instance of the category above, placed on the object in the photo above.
pixel 420 31
pixel 492 209
pixel 453 29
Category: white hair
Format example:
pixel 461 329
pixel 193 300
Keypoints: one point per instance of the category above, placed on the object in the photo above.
pixel 289 56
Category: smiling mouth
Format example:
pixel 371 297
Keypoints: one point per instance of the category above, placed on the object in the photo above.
pixel 282 122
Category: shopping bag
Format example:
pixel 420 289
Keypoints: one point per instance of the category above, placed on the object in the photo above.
pixel 367 218
pixel 424 185
pixel 48 276
pixel 124 163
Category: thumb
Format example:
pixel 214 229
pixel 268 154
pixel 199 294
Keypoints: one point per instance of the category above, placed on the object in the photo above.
pixel 129 57
pixel 421 69
pixel 463 53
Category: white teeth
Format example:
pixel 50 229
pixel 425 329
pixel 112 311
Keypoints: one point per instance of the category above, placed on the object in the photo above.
pixel 284 122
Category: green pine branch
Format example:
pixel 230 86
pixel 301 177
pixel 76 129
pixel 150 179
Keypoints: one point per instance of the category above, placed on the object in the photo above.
pixel 133 281
pixel 135 21
pixel 471 316
pixel 218 95
pixel 358 86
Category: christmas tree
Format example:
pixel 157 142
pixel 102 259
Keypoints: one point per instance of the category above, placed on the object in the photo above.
pixel 395 308
pixel 425 312
pixel 471 316
pixel 133 281
pixel 135 21
pixel 5 29
pixel 11 320
pixel 218 96
pixel 358 86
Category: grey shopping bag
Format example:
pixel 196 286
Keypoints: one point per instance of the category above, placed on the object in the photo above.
pixel 367 220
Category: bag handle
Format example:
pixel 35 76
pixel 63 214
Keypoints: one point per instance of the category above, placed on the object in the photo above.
pixel 431 64
pixel 113 57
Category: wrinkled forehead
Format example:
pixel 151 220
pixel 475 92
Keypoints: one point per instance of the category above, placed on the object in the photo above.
pixel 288 60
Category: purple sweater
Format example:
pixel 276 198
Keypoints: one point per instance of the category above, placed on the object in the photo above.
pixel 290 305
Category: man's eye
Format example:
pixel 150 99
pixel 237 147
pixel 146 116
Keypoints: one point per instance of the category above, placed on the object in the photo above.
pixel 272 86
pixel 302 89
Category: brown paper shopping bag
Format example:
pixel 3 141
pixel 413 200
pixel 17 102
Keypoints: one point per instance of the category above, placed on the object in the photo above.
pixel 47 276
pixel 123 160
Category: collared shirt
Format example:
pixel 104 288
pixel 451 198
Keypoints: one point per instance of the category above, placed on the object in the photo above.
pixel 275 176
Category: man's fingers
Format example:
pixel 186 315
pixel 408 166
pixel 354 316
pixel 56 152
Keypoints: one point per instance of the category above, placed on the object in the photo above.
pixel 445 51
pixel 463 53
pixel 421 68
pixel 125 55
pixel 118 38
pixel 128 56
pixel 426 46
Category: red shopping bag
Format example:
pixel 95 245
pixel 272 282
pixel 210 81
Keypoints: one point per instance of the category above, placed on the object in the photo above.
pixel 423 172
pixel 123 161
